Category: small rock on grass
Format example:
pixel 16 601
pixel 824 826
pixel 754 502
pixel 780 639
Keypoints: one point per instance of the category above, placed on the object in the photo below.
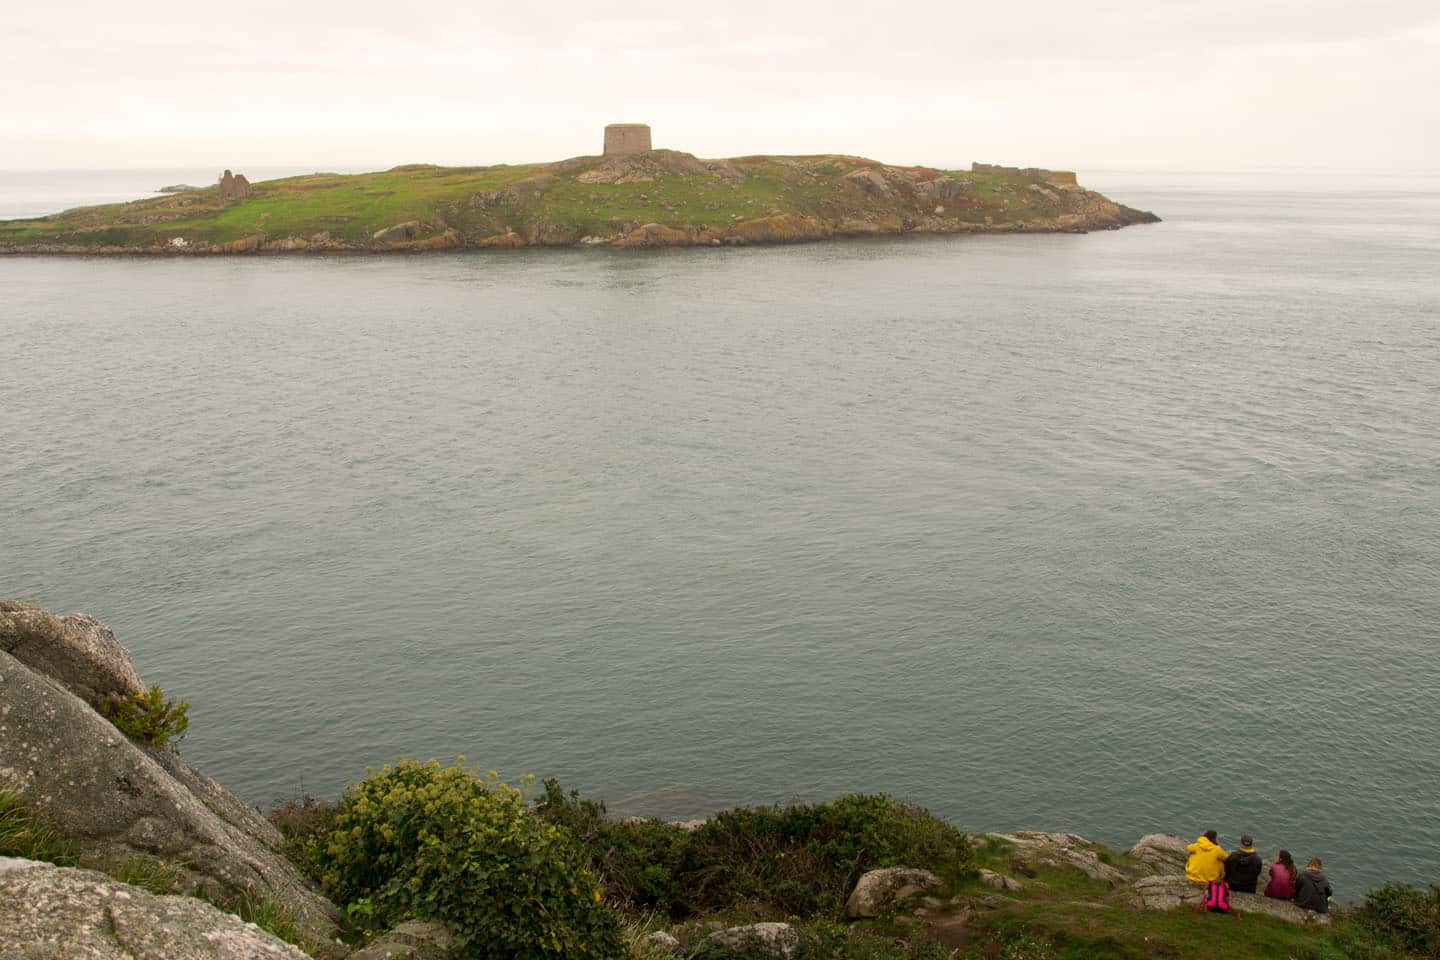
pixel 776 940
pixel 662 940
pixel 999 881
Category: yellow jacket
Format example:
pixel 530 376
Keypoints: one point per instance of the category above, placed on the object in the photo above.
pixel 1207 861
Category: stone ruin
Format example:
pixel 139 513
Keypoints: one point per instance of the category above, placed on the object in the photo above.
pixel 234 187
pixel 1058 178
pixel 622 139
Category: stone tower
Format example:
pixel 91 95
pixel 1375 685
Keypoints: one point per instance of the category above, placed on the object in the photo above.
pixel 623 138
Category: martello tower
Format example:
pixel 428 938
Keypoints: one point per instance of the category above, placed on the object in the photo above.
pixel 623 138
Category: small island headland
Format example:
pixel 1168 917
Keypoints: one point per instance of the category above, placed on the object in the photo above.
pixel 631 195
pixel 113 847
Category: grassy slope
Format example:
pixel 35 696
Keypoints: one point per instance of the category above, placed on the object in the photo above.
pixel 1060 914
pixel 538 199
pixel 1084 918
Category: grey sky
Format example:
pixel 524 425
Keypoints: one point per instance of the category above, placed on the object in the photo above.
pixel 1212 84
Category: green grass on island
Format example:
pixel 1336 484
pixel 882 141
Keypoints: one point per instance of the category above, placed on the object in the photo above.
pixel 586 199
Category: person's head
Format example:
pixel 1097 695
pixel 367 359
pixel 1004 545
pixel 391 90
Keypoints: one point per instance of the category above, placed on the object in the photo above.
pixel 1315 865
pixel 1211 835
pixel 1288 860
pixel 1247 841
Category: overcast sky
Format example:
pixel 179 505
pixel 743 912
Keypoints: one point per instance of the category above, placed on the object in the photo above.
pixel 1127 84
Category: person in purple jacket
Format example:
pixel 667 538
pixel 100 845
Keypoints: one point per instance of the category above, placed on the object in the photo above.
pixel 1282 877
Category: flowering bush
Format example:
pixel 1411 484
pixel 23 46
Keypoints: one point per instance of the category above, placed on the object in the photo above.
pixel 422 840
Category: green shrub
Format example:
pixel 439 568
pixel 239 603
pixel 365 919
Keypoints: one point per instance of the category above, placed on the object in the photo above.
pixel 800 860
pixel 440 842
pixel 147 717
pixel 26 835
pixel 805 859
pixel 1403 916
pixel 301 820
pixel 638 860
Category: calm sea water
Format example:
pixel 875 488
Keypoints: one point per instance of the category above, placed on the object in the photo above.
pixel 1115 533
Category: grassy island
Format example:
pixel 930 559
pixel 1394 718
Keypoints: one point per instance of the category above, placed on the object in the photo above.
pixel 652 198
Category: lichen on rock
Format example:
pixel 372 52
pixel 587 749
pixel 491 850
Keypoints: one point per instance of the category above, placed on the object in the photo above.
pixel 61 913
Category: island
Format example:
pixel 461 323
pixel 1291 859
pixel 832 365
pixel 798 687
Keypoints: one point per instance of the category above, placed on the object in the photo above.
pixel 629 196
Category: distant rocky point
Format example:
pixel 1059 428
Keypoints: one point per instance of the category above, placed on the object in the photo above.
pixel 179 188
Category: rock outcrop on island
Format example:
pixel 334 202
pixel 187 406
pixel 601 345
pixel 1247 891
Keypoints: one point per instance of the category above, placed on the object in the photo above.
pixel 116 799
pixel 60 913
pixel 645 198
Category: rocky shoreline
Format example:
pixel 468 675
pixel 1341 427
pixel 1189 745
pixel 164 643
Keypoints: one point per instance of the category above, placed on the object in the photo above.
pixel 765 231
pixel 117 801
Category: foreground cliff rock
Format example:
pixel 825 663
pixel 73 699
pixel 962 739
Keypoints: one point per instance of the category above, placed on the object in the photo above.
pixel 657 198
pixel 116 799
pixel 58 913
pixel 76 650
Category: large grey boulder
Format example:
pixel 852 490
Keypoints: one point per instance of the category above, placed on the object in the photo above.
pixel 115 800
pixel 58 913
pixel 1164 852
pixel 1166 892
pixel 1064 850
pixel 77 650
pixel 776 940
pixel 878 891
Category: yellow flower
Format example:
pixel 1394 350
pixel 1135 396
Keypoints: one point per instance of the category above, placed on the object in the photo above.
pixel 597 895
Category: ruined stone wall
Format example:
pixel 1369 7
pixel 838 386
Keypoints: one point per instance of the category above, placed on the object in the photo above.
pixel 233 187
pixel 1060 178
pixel 623 138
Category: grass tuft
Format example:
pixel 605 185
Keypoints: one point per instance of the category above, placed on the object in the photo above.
pixel 149 874
pixel 25 834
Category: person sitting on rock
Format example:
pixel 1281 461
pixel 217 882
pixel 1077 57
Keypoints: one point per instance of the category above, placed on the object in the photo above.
pixel 1207 859
pixel 1282 877
pixel 1312 890
pixel 1242 868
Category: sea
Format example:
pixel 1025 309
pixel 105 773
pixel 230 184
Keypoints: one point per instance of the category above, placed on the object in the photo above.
pixel 1119 533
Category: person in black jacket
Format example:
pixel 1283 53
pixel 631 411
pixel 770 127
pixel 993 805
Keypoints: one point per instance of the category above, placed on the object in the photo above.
pixel 1312 890
pixel 1242 868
